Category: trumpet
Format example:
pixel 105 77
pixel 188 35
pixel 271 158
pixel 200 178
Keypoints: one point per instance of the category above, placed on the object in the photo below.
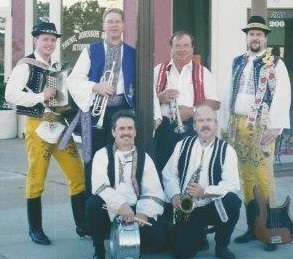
pixel 175 112
pixel 176 117
pixel 100 103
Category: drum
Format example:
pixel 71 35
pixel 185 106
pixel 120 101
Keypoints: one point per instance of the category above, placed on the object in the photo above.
pixel 124 240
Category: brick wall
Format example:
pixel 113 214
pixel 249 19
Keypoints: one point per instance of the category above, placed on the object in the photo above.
pixel 18 23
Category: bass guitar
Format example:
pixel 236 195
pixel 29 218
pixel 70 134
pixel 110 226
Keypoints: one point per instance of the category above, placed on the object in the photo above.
pixel 272 225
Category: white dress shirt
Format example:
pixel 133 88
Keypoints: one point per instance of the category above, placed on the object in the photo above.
pixel 230 177
pixel 79 85
pixel 124 190
pixel 182 81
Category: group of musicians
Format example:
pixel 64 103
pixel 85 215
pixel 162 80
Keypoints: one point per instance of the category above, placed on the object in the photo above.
pixel 194 171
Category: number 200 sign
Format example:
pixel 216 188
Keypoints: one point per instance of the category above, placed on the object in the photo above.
pixel 276 24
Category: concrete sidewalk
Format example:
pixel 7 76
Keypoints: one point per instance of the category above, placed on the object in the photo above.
pixel 58 221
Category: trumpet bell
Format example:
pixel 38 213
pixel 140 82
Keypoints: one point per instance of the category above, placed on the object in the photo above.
pixel 180 129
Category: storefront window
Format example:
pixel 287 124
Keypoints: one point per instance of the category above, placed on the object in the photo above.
pixel 81 25
pixel 42 11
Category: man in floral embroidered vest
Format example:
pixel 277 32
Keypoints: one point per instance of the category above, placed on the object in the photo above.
pixel 255 109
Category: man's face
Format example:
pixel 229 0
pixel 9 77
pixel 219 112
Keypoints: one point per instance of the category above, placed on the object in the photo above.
pixel 256 40
pixel 124 133
pixel 45 44
pixel 181 49
pixel 206 124
pixel 113 26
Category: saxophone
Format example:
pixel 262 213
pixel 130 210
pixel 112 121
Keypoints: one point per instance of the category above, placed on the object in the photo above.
pixel 187 203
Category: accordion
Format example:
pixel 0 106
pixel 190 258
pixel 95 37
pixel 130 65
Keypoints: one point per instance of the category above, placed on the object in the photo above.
pixel 57 80
pixel 40 79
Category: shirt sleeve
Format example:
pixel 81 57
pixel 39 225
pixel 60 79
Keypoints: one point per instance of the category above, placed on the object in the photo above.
pixel 78 82
pixel 101 183
pixel 280 107
pixel 16 84
pixel 210 87
pixel 225 96
pixel 230 176
pixel 170 174
pixel 151 202
pixel 157 106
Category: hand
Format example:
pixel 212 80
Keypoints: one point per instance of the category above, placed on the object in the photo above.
pixel 176 201
pixel 195 190
pixel 168 95
pixel 126 212
pixel 143 217
pixel 157 123
pixel 103 89
pixel 269 136
pixel 185 112
pixel 49 92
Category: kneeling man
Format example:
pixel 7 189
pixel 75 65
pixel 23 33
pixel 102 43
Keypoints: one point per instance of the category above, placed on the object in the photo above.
pixel 201 181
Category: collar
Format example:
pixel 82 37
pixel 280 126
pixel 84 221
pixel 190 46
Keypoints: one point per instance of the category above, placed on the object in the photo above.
pixel 40 59
pixel 207 146
pixel 172 64
pixel 253 57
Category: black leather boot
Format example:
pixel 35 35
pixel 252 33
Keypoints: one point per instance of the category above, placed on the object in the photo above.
pixel 251 213
pixel 78 209
pixel 34 214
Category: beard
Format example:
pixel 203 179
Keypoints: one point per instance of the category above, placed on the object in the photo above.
pixel 254 48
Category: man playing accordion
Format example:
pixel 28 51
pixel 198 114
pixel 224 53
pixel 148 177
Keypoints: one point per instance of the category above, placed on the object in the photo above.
pixel 32 88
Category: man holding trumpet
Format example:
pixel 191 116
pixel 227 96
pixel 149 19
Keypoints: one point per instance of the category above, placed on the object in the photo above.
pixel 104 71
pixel 180 85
pixel 125 181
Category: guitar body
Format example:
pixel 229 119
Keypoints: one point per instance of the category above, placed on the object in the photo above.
pixel 272 225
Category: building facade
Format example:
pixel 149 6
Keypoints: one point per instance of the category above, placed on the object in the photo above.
pixel 216 25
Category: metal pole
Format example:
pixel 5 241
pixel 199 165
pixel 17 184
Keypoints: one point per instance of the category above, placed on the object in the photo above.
pixel 145 63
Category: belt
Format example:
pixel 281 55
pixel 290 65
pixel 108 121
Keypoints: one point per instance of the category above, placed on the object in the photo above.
pixel 51 117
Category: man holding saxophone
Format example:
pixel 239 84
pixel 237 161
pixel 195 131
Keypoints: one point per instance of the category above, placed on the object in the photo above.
pixel 201 181
pixel 101 83
pixel 180 85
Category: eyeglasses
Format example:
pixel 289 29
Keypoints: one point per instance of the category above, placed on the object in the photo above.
pixel 111 22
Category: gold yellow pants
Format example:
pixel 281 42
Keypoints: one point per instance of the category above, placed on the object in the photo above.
pixel 39 154
pixel 255 168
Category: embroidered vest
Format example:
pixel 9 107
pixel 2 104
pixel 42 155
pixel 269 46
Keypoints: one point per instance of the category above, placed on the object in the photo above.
pixel 197 79
pixel 36 83
pixel 259 64
pixel 97 58
pixel 139 167
pixel 216 162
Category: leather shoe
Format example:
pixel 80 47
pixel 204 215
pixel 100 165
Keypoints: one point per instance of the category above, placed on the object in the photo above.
pixel 270 247
pixel 81 232
pixel 224 253
pixel 245 238
pixel 204 245
pixel 39 237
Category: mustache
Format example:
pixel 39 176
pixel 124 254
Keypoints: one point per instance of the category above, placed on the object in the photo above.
pixel 205 128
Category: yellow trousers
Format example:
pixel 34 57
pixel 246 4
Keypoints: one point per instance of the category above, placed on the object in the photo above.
pixel 39 154
pixel 255 168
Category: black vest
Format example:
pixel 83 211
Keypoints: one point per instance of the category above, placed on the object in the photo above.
pixel 36 83
pixel 139 168
pixel 216 162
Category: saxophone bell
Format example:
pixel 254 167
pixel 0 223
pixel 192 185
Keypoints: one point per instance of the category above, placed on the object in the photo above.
pixel 187 205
